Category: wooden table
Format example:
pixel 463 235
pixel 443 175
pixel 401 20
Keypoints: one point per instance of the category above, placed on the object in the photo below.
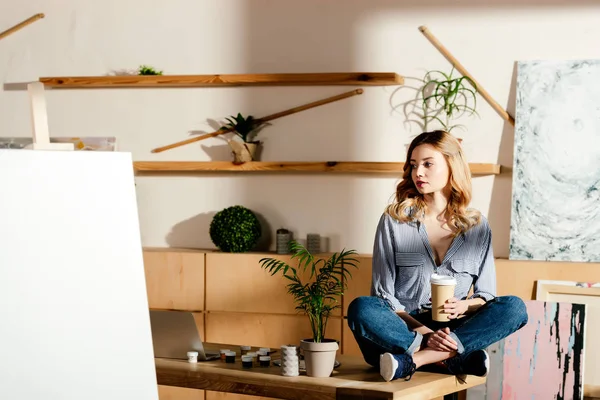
pixel 352 380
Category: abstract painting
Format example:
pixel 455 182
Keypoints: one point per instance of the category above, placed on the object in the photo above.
pixel 587 293
pixel 556 177
pixel 543 360
pixel 80 143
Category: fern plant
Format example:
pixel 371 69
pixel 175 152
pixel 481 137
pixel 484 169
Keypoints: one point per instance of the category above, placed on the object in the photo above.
pixel 317 296
pixel 446 98
pixel 245 127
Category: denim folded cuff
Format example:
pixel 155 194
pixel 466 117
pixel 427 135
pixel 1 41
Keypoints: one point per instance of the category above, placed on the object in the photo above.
pixel 416 344
pixel 461 348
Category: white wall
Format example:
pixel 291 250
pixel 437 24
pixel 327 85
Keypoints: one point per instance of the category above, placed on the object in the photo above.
pixel 85 37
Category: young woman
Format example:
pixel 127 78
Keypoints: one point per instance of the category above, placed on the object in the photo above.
pixel 429 229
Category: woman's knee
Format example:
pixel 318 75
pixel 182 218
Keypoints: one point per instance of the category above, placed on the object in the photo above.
pixel 362 308
pixel 515 309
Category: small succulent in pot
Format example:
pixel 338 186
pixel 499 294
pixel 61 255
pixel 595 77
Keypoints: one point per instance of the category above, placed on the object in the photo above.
pixel 246 128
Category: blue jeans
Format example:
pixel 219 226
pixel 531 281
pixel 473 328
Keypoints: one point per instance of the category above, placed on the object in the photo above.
pixel 378 329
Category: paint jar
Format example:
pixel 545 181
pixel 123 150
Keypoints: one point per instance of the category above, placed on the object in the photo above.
pixel 282 243
pixel 267 349
pixel 313 243
pixel 259 354
pixel 244 350
pixel 230 357
pixel 192 356
pixel 247 361
pixel 223 352
pixel 265 361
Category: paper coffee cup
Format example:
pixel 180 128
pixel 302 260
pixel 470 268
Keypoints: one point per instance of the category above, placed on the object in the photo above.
pixel 442 289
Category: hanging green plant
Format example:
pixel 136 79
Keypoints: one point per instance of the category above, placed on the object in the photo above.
pixel 447 98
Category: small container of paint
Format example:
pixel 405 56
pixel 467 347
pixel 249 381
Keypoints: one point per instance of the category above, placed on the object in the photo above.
pixel 223 352
pixel 230 357
pixel 247 361
pixel 265 361
pixel 192 356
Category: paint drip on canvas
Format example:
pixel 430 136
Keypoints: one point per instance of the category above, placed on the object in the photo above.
pixel 543 360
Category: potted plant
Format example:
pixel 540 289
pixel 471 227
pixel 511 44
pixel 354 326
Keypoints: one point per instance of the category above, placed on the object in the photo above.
pixel 235 229
pixel 246 128
pixel 316 298
pixel 148 70
pixel 447 98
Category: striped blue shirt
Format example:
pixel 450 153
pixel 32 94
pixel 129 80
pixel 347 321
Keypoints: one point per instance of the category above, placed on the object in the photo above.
pixel 403 262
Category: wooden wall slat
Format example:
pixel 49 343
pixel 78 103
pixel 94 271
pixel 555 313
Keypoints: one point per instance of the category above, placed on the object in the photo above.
pixel 175 279
pixel 237 283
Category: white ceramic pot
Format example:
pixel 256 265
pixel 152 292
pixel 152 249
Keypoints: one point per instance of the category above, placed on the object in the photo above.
pixel 319 357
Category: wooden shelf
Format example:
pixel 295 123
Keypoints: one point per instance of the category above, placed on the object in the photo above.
pixel 314 79
pixel 144 167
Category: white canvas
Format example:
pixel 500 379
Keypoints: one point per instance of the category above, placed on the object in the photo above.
pixel 556 176
pixel 74 322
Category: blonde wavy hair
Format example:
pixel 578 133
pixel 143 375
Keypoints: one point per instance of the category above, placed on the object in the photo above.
pixel 409 204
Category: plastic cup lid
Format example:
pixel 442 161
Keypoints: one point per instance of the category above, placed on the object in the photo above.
pixel 246 358
pixel 442 280
pixel 230 353
pixel 265 358
pixel 245 347
pixel 225 350
pixel 267 349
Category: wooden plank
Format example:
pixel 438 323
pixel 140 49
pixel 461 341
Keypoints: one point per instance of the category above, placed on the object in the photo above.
pixel 289 166
pixel 349 345
pixel 519 278
pixel 210 395
pixel 237 283
pixel 264 330
pixel 308 79
pixel 176 250
pixel 354 377
pixel 175 280
pixel 360 283
pixel 179 393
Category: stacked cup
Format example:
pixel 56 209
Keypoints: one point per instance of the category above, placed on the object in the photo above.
pixel 289 361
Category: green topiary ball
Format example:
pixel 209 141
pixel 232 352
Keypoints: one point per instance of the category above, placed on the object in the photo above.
pixel 235 230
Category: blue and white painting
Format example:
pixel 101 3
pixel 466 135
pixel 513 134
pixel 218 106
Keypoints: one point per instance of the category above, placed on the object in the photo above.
pixel 556 176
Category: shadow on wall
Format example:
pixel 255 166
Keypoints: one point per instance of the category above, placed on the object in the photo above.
pixel 192 232
pixel 195 233
pixel 501 201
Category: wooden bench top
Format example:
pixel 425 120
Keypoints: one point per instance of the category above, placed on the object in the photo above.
pixel 353 379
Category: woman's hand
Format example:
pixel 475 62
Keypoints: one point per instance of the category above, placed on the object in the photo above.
pixel 455 308
pixel 440 340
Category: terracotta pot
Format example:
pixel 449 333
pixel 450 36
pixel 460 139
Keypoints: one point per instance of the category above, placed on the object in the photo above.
pixel 244 151
pixel 319 357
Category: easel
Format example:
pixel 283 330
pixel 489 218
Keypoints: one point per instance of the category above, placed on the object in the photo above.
pixel 39 121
